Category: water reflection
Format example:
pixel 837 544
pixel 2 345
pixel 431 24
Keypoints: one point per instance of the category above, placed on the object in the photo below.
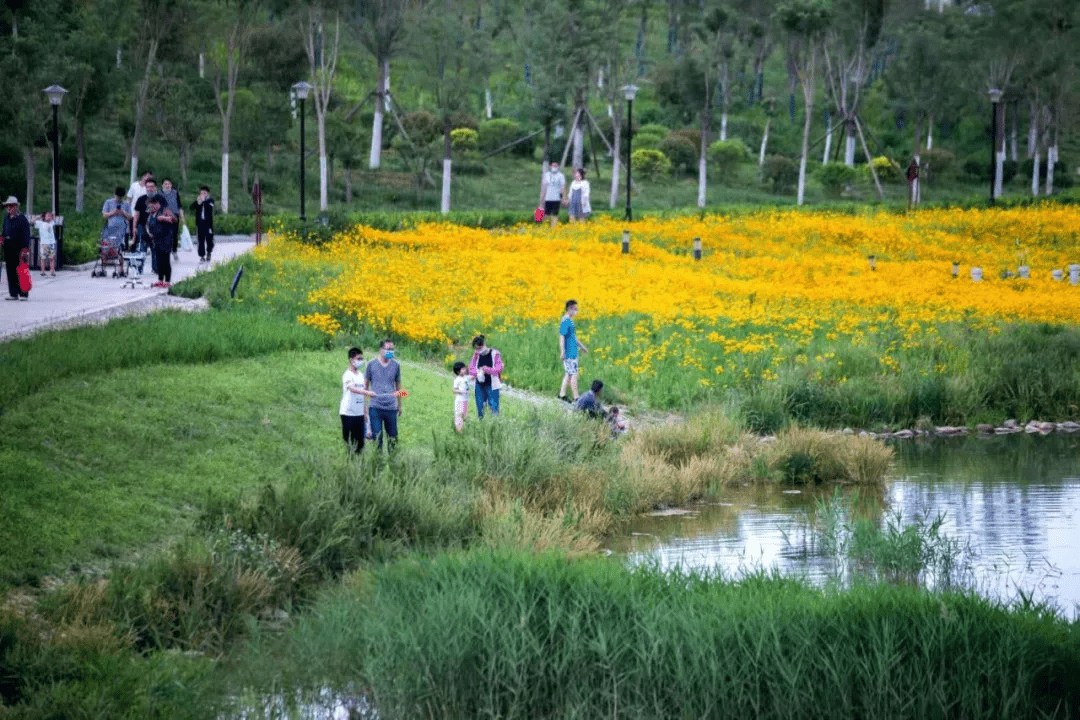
pixel 1013 498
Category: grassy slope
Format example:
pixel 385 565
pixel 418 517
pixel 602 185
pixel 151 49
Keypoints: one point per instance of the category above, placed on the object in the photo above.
pixel 96 465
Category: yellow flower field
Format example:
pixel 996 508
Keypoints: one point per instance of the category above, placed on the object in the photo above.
pixel 788 270
pixel 769 283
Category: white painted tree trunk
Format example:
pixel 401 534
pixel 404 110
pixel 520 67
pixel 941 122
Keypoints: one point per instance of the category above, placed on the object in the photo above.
pixel 487 102
pixel 999 166
pixel 764 143
pixel 828 146
pixel 375 156
pixel 723 125
pixel 1012 142
pixel 1035 174
pixel 202 64
pixel 445 204
pixel 324 178
pixel 930 133
pixel 1033 132
pixel 849 148
pixel 702 170
pixel 615 162
pixel 224 183
pixel 134 168
pixel 1051 160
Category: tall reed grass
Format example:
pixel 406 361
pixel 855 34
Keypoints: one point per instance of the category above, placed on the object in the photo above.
pixel 512 636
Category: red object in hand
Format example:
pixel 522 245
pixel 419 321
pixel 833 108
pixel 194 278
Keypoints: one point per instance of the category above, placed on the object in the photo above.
pixel 539 214
pixel 24 271
pixel 401 393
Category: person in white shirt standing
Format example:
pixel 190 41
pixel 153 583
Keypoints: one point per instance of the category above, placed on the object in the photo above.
pixel 552 186
pixel 46 242
pixel 352 410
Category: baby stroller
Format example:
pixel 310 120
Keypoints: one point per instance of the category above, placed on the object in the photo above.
pixel 110 254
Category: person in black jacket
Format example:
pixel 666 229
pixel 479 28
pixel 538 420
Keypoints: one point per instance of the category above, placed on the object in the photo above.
pixel 16 238
pixel 204 222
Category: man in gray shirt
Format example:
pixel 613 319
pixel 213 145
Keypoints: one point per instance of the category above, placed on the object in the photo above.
pixel 552 186
pixel 383 377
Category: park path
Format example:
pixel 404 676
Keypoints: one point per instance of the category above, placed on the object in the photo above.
pixel 74 298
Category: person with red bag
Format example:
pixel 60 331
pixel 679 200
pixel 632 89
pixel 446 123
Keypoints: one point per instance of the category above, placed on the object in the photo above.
pixel 16 240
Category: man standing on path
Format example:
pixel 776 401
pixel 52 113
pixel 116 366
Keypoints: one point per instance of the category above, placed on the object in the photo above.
pixel 552 186
pixel 16 238
pixel 383 377
pixel 568 350
pixel 204 222
pixel 140 217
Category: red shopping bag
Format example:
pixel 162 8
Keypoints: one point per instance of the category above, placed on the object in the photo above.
pixel 24 271
pixel 539 214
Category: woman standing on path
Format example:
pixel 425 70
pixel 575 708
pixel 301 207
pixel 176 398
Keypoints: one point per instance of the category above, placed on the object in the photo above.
pixel 580 209
pixel 486 366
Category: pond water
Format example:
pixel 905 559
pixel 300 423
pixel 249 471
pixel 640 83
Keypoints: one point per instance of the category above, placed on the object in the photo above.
pixel 1015 500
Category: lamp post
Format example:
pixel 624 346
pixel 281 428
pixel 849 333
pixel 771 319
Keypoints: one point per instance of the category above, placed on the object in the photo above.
pixel 302 89
pixel 630 91
pixel 56 96
pixel 995 98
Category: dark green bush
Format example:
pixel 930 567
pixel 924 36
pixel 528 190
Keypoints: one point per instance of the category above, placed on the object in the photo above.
pixel 681 152
pixel 781 173
pixel 836 177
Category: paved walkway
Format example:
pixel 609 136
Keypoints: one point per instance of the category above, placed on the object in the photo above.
pixel 75 298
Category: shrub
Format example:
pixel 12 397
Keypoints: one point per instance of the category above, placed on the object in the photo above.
pixel 647 141
pixel 650 164
pixel 888 171
pixel 493 134
pixel 780 172
pixel 681 152
pixel 725 155
pixel 464 139
pixel 693 135
pixel 936 165
pixel 655 129
pixel 835 177
pixel 422 127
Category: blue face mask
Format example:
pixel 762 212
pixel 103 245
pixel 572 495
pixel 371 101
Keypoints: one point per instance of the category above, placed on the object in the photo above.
pixel 389 354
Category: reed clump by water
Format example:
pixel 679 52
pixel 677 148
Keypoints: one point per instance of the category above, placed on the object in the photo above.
pixel 710 451
pixel 513 636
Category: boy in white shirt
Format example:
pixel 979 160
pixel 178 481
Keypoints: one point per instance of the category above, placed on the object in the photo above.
pixel 461 395
pixel 352 411
pixel 47 244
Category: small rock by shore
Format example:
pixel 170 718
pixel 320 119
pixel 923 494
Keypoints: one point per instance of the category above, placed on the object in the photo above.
pixel 1008 427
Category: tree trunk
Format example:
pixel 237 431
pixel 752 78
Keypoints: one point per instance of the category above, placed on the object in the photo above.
pixel 140 107
pixel 487 101
pixel 616 130
pixel 702 173
pixel 1033 124
pixel 324 180
pixel 849 143
pixel 202 65
pixel 80 173
pixel 182 160
pixel 828 141
pixel 930 133
pixel 444 205
pixel 808 102
pixel 28 160
pixel 764 143
pixel 1051 160
pixel 224 179
pixel 999 151
pixel 1035 173
pixel 375 156
pixel 1012 138
pixel 348 185
pixel 245 163
pixel 723 125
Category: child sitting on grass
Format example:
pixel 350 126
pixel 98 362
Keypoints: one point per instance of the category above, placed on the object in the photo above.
pixel 461 395
pixel 616 421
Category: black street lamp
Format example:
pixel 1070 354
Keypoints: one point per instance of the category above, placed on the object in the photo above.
pixel 56 96
pixel 995 98
pixel 302 89
pixel 630 91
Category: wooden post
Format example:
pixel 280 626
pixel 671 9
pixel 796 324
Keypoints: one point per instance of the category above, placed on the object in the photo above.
pixel 697 248
pixel 625 242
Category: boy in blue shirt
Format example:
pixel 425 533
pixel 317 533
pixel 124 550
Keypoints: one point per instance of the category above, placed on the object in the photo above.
pixel 568 350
